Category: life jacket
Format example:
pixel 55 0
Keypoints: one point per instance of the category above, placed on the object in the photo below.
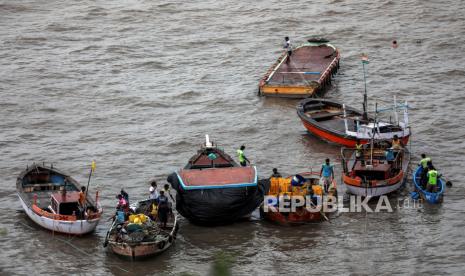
pixel 358 150
pixel 424 162
pixel 432 177
pixel 240 153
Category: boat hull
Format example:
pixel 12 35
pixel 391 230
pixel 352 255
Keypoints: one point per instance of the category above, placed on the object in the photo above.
pixel 373 191
pixel 216 206
pixel 140 251
pixel 339 136
pixel 433 198
pixel 301 215
pixel 78 227
pixel 381 187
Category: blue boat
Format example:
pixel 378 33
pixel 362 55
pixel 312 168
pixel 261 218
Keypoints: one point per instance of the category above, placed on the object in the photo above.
pixel 432 198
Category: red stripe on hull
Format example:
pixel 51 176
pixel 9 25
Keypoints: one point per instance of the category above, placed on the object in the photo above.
pixel 337 139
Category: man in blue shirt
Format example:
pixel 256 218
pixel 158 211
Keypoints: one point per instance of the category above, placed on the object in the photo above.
pixel 327 173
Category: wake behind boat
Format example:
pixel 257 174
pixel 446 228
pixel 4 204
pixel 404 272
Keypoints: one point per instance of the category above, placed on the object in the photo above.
pixel 50 198
pixel 213 189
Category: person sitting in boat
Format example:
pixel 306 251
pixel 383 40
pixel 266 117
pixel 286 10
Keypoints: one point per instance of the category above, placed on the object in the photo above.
pixel 166 189
pixel 153 191
pixel 288 48
pixel 163 208
pixel 275 173
pixel 432 178
pixel 327 173
pixel 122 203
pixel 396 143
pixel 242 159
pixel 424 164
pixel 358 150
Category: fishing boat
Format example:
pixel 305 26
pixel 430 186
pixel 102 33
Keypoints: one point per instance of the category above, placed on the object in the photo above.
pixel 213 189
pixel 430 197
pixel 141 239
pixel 336 123
pixel 374 170
pixel 307 73
pixel 50 198
pixel 281 187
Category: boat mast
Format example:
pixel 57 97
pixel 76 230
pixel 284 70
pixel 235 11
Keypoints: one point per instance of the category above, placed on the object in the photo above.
pixel 395 110
pixel 406 115
pixel 345 117
pixel 365 98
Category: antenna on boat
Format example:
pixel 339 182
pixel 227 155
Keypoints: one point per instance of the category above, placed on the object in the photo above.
pixel 345 117
pixel 394 108
pixel 208 144
pixel 365 98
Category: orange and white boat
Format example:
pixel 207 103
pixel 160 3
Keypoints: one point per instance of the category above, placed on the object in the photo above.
pixel 373 173
pixel 281 188
pixel 50 198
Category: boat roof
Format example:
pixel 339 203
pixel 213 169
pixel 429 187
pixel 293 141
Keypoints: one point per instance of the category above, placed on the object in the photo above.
pixel 218 178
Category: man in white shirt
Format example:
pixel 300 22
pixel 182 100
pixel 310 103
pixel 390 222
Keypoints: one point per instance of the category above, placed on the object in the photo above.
pixel 288 47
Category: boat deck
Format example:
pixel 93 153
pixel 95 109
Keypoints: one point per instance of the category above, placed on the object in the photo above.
pixel 306 64
pixel 218 178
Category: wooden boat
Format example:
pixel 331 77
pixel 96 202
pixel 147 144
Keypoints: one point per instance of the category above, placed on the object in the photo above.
pixel 150 240
pixel 213 189
pixel 302 215
pixel 307 73
pixel 50 198
pixel 372 174
pixel 431 197
pixel 336 123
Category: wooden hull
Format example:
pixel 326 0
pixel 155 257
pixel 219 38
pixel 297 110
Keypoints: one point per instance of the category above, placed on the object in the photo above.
pixel 333 130
pixel 308 72
pixel 216 192
pixel 65 224
pixel 433 198
pixel 143 250
pixel 373 191
pixel 78 227
pixel 140 251
pixel 301 216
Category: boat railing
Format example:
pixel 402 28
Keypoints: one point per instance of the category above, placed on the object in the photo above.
pixel 370 157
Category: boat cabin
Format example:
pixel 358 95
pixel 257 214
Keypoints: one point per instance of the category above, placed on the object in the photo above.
pixel 210 158
pixel 65 203
pixel 377 171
